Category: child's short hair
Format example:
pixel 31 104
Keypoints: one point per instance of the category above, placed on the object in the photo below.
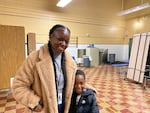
pixel 80 72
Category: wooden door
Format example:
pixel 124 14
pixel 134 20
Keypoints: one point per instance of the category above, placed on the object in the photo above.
pixel 12 52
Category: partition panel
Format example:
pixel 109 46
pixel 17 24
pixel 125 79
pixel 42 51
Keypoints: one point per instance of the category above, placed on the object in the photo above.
pixel 145 54
pixel 140 54
pixel 133 57
pixel 31 42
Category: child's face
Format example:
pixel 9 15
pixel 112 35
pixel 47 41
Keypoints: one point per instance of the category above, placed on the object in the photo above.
pixel 79 84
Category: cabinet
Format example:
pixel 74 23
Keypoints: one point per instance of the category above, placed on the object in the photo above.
pixel 93 53
pixel 81 52
pixel 103 53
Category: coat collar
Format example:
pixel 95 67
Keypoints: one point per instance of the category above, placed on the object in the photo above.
pixel 44 55
pixel 44 52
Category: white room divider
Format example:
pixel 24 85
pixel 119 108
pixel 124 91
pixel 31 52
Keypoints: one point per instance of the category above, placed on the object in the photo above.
pixel 133 56
pixel 145 56
pixel 139 52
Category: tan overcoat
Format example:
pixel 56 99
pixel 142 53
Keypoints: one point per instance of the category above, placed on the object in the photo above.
pixel 35 81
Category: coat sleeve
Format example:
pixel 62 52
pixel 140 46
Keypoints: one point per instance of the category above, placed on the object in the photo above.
pixel 95 108
pixel 22 83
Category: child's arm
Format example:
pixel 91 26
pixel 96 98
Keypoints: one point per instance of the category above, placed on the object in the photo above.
pixel 95 108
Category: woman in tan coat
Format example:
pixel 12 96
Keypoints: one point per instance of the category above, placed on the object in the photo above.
pixel 44 83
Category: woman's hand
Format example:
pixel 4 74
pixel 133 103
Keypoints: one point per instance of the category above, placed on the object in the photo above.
pixel 38 108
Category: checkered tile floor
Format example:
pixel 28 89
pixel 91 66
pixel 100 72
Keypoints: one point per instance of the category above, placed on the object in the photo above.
pixel 114 94
pixel 8 104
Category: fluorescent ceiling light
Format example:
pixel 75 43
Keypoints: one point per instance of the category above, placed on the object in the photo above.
pixel 134 9
pixel 63 3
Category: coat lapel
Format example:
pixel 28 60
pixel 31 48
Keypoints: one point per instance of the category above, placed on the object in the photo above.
pixel 46 74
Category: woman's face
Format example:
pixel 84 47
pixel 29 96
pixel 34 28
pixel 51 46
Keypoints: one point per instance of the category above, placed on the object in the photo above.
pixel 79 84
pixel 60 40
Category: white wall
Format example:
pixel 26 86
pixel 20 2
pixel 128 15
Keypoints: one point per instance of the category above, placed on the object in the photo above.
pixel 120 50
